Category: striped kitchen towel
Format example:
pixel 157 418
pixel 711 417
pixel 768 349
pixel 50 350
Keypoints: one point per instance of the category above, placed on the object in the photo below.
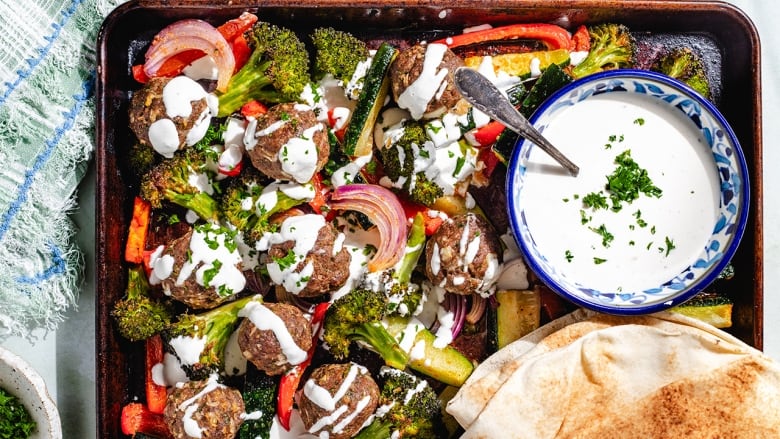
pixel 47 74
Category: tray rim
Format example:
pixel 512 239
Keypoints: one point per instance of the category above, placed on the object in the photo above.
pixel 104 365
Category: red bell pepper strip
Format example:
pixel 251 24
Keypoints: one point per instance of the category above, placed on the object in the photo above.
pixel 333 121
pixel 288 384
pixel 136 418
pixel 232 30
pixel 253 108
pixel 490 160
pixel 553 36
pixel 488 134
pixel 139 226
pixel 580 40
pixel 432 222
pixel 156 394
pixel 320 194
pixel 241 51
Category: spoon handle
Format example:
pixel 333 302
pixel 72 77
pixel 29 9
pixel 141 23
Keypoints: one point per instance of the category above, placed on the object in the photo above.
pixel 484 96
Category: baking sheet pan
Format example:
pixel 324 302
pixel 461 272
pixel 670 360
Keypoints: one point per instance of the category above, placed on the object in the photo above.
pixel 125 34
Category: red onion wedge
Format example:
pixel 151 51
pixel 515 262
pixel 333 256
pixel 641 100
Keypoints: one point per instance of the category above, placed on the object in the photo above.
pixel 191 34
pixel 384 210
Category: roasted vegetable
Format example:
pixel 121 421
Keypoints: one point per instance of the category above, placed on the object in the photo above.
pixel 685 65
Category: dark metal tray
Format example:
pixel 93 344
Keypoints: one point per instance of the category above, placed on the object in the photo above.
pixel 127 31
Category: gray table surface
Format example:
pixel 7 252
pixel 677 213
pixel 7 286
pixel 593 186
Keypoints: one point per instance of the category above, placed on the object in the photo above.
pixel 65 358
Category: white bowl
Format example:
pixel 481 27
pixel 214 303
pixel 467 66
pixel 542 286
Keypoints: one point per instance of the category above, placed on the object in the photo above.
pixel 656 251
pixel 21 380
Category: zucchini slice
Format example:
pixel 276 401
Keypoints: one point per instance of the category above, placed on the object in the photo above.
pixel 358 139
pixel 519 64
pixel 517 314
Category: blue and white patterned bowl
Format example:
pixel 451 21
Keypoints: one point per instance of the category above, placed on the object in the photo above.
pixel 658 250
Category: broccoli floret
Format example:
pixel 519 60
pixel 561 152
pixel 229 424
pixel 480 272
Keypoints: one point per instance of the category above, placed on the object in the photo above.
pixel 181 180
pixel 357 316
pixel 138 315
pixel 413 408
pixel 337 53
pixel 685 65
pixel 277 70
pixel 211 329
pixel 248 204
pixel 398 161
pixel 141 159
pixel 611 47
pixel 260 400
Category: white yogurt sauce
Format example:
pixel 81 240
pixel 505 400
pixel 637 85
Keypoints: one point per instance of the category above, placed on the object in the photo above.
pixel 678 162
pixel 299 155
pixel 419 93
pixel 303 230
pixel 264 319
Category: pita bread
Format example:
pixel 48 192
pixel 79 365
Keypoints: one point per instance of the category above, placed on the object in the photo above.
pixel 625 372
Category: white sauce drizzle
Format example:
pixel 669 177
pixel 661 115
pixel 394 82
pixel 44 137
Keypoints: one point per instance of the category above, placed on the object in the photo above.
pixel 228 276
pixel 299 155
pixel 421 92
pixel 264 319
pixel 303 230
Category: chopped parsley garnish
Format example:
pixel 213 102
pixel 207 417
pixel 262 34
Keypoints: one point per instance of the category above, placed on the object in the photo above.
pixel 598 261
pixel 639 121
pixel 595 200
pixel 568 256
pixel 606 237
pixel 15 420
pixel 287 260
pixel 211 273
pixel 628 181
pixel 669 245
pixel 458 166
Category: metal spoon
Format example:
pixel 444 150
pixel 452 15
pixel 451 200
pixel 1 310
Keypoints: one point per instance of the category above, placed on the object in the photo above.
pixel 484 96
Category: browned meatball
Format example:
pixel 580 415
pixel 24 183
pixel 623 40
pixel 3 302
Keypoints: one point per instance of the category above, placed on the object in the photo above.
pixel 289 143
pixel 464 255
pixel 425 92
pixel 147 108
pixel 356 397
pixel 282 342
pixel 205 284
pixel 204 409
pixel 329 271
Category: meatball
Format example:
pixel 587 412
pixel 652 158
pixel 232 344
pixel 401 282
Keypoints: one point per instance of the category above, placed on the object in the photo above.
pixel 205 409
pixel 288 143
pixel 170 113
pixel 274 336
pixel 464 255
pixel 422 80
pixel 338 399
pixel 306 256
pixel 201 269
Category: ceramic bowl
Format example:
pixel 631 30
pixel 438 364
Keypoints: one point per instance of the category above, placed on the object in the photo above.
pixel 658 208
pixel 18 378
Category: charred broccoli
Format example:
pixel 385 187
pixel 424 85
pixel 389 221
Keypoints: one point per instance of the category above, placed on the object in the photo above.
pixel 611 47
pixel 141 159
pixel 684 64
pixel 210 331
pixel 277 70
pixel 183 180
pixel 248 204
pixel 399 163
pixel 357 316
pixel 138 315
pixel 259 399
pixel 337 53
pixel 413 408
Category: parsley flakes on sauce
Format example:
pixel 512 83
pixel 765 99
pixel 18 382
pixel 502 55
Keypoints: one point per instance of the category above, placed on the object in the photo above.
pixel 625 184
